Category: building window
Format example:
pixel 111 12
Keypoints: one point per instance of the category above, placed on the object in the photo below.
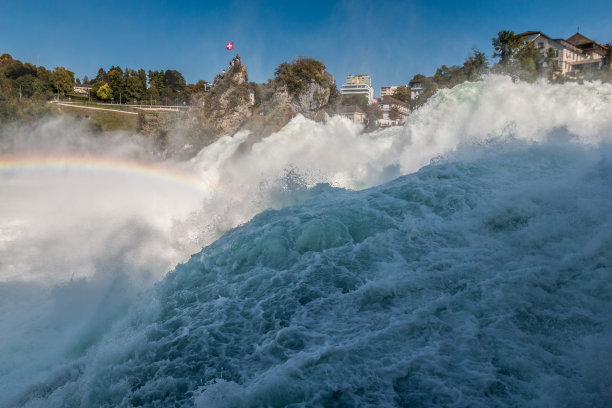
pixel 540 45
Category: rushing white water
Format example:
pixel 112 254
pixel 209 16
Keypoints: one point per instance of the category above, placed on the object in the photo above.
pixel 482 279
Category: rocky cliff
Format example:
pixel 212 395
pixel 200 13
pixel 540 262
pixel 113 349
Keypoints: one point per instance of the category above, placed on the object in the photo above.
pixel 302 87
pixel 228 104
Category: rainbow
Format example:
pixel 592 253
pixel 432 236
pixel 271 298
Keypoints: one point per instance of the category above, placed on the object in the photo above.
pixel 164 173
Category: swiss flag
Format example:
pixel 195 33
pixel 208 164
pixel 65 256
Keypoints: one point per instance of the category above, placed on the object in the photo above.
pixel 229 46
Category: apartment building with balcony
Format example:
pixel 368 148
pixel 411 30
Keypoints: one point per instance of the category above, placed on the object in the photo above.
pixel 358 85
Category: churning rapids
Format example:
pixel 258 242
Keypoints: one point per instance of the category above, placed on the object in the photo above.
pixel 464 259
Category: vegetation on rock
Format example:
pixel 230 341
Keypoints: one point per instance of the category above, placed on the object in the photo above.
pixel 298 74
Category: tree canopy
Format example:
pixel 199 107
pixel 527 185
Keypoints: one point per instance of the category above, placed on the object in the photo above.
pixel 299 73
pixel 104 92
pixel 355 100
pixel 402 93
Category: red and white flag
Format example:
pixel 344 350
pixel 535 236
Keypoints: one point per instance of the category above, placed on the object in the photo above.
pixel 229 46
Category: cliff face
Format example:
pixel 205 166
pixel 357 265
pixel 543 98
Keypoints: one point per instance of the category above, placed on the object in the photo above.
pixel 228 107
pixel 308 102
pixel 301 87
pixel 228 104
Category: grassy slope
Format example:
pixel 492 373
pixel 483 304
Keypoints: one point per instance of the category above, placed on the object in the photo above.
pixel 104 120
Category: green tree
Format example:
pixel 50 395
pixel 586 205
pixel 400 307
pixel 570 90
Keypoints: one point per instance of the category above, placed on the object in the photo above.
pixel 63 80
pixel 394 113
pixel 116 82
pixel 202 86
pixel 429 89
pixel 298 74
pixel 157 85
pixel 606 63
pixel 551 64
pixel 101 76
pixel 174 80
pixel 105 92
pixel 134 88
pixel 506 46
pixel 529 62
pixel 355 100
pixel 448 77
pixel 43 84
pixel 402 93
pixel 475 65
pixel 142 75
pixel 26 84
pixel 373 112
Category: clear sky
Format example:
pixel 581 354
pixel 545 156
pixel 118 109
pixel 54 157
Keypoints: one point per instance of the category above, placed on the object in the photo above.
pixel 391 40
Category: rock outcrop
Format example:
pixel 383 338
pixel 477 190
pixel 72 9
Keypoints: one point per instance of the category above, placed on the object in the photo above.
pixel 308 102
pixel 229 103
pixel 302 87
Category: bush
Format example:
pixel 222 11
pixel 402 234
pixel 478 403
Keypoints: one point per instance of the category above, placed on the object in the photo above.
pixel 298 74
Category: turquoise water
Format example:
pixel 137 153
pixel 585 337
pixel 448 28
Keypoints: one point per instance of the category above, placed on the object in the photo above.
pixel 482 279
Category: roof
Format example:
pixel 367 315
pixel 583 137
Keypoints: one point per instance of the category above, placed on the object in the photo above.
pixel 579 39
pixel 567 45
pixel 586 44
pixel 573 43
pixel 530 33
pixel 350 109
pixel 391 100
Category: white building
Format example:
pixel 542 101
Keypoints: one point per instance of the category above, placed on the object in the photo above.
pixel 572 54
pixel 389 90
pixel 387 104
pixel 417 86
pixel 591 52
pixel 565 52
pixel 81 89
pixel 353 113
pixel 358 85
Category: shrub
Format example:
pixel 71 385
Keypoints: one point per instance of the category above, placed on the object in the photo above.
pixel 298 74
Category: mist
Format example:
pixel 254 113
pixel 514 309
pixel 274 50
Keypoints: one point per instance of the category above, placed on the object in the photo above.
pixel 79 244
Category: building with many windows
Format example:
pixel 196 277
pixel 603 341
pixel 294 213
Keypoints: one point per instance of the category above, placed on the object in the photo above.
pixel 387 90
pixel 390 90
pixel 82 89
pixel 592 53
pixel 417 86
pixel 394 111
pixel 572 54
pixel 358 85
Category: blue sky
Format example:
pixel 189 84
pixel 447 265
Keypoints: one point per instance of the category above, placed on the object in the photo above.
pixel 389 40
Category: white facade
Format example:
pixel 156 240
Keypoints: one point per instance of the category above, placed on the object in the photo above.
pixel 386 104
pixel 353 113
pixel 387 90
pixel 358 85
pixel 417 87
pixel 570 57
pixel 81 89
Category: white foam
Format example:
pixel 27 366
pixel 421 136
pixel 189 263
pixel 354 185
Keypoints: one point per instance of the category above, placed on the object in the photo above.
pixel 114 251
